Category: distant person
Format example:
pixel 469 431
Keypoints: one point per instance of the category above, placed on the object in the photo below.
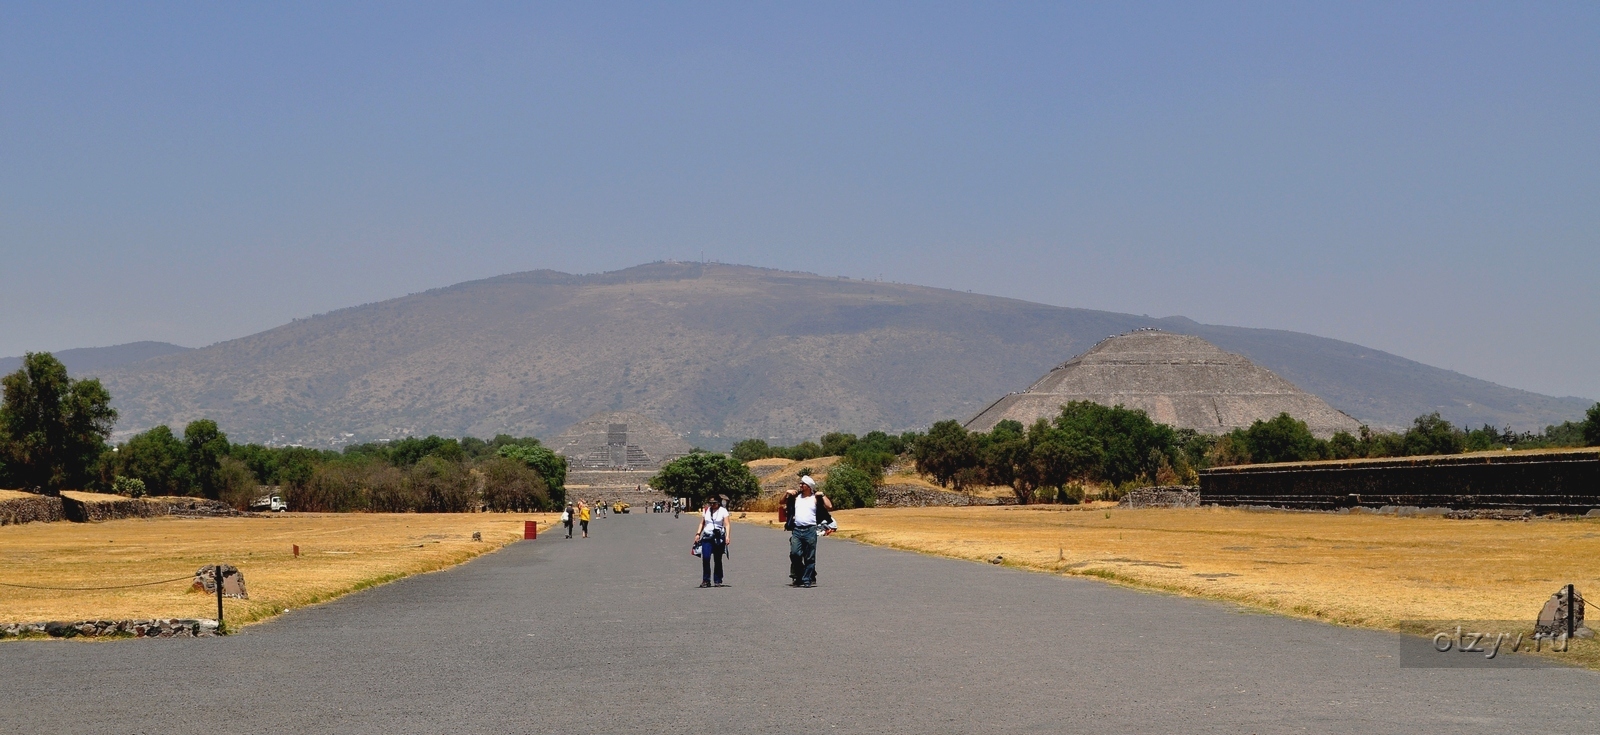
pixel 712 540
pixel 807 512
pixel 566 519
pixel 583 517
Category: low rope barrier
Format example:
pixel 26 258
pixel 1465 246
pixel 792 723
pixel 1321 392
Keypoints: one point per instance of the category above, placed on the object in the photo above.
pixel 92 589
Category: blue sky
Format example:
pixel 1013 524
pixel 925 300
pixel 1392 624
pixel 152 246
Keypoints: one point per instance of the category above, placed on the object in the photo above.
pixel 1420 178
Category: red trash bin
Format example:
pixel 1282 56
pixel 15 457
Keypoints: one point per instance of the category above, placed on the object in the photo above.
pixel 530 530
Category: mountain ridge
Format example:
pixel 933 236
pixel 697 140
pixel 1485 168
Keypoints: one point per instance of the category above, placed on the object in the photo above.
pixel 715 350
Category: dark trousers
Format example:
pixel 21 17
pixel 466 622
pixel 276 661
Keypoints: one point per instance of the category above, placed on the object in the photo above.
pixel 803 555
pixel 708 550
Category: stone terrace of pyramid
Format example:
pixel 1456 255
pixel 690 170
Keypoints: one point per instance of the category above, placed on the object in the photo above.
pixel 1177 379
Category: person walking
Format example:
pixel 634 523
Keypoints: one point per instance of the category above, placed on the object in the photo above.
pixel 566 518
pixel 711 538
pixel 583 517
pixel 807 512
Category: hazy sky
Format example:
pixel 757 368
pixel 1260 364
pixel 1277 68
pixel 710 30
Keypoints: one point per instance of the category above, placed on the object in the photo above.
pixel 1423 179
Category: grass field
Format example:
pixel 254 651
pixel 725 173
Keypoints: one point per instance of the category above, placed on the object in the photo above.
pixel 339 553
pixel 1361 570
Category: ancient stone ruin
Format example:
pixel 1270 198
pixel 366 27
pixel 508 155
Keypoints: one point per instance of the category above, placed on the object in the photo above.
pixel 612 455
pixel 1177 379
pixel 1552 621
pixel 205 579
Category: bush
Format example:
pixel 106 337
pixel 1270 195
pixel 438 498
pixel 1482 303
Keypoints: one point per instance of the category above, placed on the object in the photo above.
pixel 510 485
pixel 849 486
pixel 1591 426
pixel 1069 494
pixel 132 487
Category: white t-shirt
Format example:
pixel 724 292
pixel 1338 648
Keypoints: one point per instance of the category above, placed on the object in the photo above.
pixel 717 519
pixel 805 510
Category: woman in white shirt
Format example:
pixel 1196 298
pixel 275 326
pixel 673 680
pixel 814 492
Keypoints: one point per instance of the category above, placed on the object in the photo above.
pixel 711 538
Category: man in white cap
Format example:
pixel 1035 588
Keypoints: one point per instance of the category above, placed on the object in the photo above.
pixel 808 511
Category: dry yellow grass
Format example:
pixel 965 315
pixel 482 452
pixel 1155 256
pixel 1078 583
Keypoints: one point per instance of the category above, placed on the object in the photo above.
pixel 339 553
pixel 1362 570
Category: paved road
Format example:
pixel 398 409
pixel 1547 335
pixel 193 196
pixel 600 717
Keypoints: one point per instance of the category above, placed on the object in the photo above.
pixel 612 635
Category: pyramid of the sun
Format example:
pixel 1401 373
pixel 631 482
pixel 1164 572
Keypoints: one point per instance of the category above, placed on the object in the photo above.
pixel 1179 380
pixel 618 440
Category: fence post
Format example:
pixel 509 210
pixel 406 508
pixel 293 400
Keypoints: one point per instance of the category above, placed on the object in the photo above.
pixel 1571 608
pixel 217 569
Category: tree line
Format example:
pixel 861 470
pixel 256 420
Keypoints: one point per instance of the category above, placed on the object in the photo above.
pixel 1120 448
pixel 54 434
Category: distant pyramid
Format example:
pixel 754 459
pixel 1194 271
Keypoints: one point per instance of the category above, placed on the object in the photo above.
pixel 1179 380
pixel 619 440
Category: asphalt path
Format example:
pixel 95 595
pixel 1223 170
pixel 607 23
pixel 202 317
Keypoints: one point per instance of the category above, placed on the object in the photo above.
pixel 611 634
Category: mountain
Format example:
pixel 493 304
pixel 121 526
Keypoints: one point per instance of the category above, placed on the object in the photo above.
pixel 719 351
pixel 94 359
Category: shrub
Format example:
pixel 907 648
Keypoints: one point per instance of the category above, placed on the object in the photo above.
pixel 1591 426
pixel 132 487
pixel 510 485
pixel 849 486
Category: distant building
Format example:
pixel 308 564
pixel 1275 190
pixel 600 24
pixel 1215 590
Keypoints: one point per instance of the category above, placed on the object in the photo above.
pixel 1179 380
pixel 619 440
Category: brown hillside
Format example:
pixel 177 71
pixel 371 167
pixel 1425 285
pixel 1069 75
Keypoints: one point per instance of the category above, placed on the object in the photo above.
pixel 718 350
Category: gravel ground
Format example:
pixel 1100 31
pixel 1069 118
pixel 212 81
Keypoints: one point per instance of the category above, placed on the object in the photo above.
pixel 611 634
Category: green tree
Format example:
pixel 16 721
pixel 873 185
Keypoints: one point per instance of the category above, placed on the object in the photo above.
pixel 1344 445
pixel 53 429
pixel 550 466
pixel 1053 456
pixel 849 486
pixel 159 459
pixel 836 444
pixel 946 450
pixel 803 451
pixel 1591 426
pixel 1431 434
pixel 700 475
pixel 205 447
pixel 1128 443
pixel 1282 439
pixel 751 450
pixel 1003 451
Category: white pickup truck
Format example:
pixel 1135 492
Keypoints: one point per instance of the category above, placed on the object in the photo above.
pixel 272 503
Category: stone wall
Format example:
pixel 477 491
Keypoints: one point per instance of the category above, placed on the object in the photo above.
pixel 27 508
pixel 95 507
pixel 1163 496
pixel 157 628
pixel 916 496
pixel 1558 482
